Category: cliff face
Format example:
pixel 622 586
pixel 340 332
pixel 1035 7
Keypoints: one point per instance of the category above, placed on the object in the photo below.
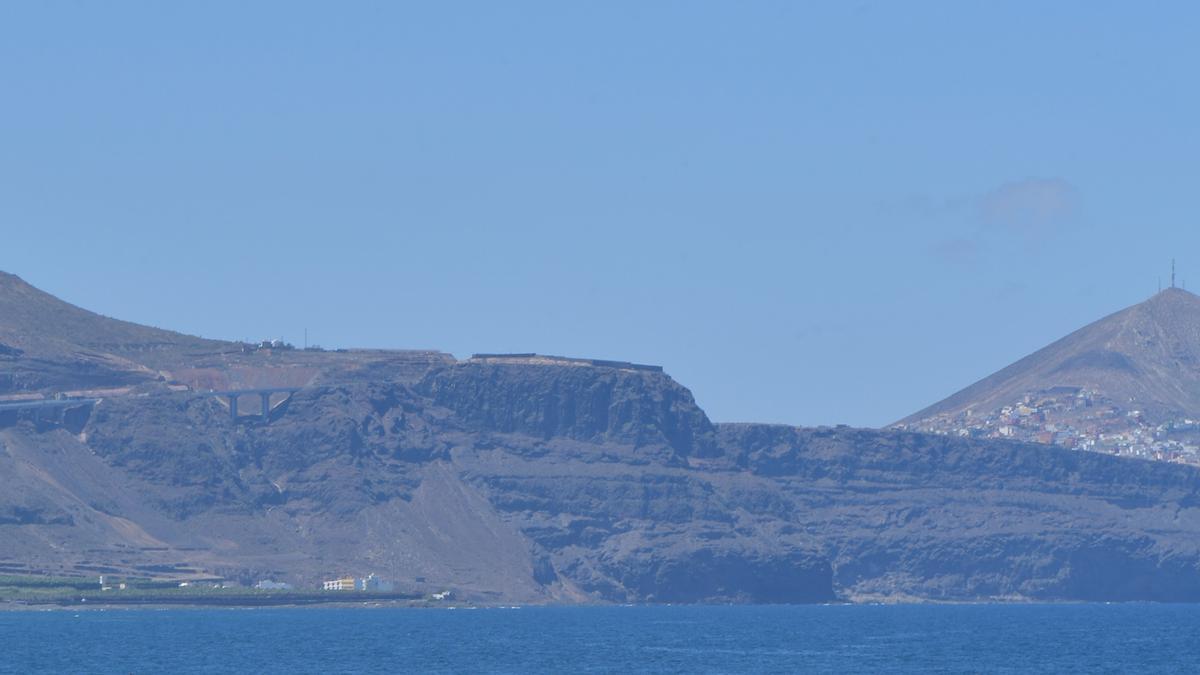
pixel 582 484
pixel 537 480
pixel 937 517
pixel 640 408
pixel 528 501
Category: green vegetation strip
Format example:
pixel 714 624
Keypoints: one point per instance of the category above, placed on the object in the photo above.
pixel 80 591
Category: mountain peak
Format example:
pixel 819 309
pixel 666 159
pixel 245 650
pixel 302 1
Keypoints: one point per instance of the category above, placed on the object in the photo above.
pixel 28 313
pixel 50 342
pixel 1173 299
pixel 1140 365
pixel 13 285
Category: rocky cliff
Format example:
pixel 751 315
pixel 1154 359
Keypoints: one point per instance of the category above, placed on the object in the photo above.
pixel 559 481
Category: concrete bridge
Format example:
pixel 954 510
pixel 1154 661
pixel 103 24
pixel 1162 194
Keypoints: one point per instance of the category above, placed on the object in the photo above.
pixel 36 409
pixel 47 403
pixel 11 411
pixel 265 394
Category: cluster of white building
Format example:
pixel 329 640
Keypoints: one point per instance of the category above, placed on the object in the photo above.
pixel 367 583
pixel 1074 417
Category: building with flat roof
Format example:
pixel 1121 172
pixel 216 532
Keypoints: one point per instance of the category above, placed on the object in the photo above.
pixel 342 584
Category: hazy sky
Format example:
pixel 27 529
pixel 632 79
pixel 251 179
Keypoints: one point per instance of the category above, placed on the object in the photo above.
pixel 807 212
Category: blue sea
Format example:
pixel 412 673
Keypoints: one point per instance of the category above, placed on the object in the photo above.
pixel 1125 638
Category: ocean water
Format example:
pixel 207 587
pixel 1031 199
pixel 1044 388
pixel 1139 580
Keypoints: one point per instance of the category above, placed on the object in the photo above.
pixel 1125 638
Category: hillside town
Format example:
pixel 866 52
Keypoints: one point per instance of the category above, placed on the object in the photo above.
pixel 1077 418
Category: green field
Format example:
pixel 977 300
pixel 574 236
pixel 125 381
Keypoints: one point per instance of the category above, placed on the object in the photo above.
pixel 81 591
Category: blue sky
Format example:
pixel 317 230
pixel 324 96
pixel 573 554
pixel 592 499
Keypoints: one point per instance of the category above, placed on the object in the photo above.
pixel 810 213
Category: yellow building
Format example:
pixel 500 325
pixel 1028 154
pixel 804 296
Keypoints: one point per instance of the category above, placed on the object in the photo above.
pixel 343 584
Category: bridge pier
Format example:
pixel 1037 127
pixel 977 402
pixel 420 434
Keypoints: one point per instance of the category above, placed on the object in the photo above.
pixel 264 397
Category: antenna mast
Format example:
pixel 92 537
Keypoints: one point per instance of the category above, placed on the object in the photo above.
pixel 1172 273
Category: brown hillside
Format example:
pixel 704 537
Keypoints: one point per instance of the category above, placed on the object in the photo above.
pixel 1145 357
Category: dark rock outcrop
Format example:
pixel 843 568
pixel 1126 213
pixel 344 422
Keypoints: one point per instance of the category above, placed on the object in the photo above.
pixel 637 407
pixel 944 518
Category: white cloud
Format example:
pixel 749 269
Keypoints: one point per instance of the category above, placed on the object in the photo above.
pixel 957 250
pixel 1031 206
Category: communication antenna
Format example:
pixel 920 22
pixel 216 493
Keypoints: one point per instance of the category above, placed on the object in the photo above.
pixel 1172 273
